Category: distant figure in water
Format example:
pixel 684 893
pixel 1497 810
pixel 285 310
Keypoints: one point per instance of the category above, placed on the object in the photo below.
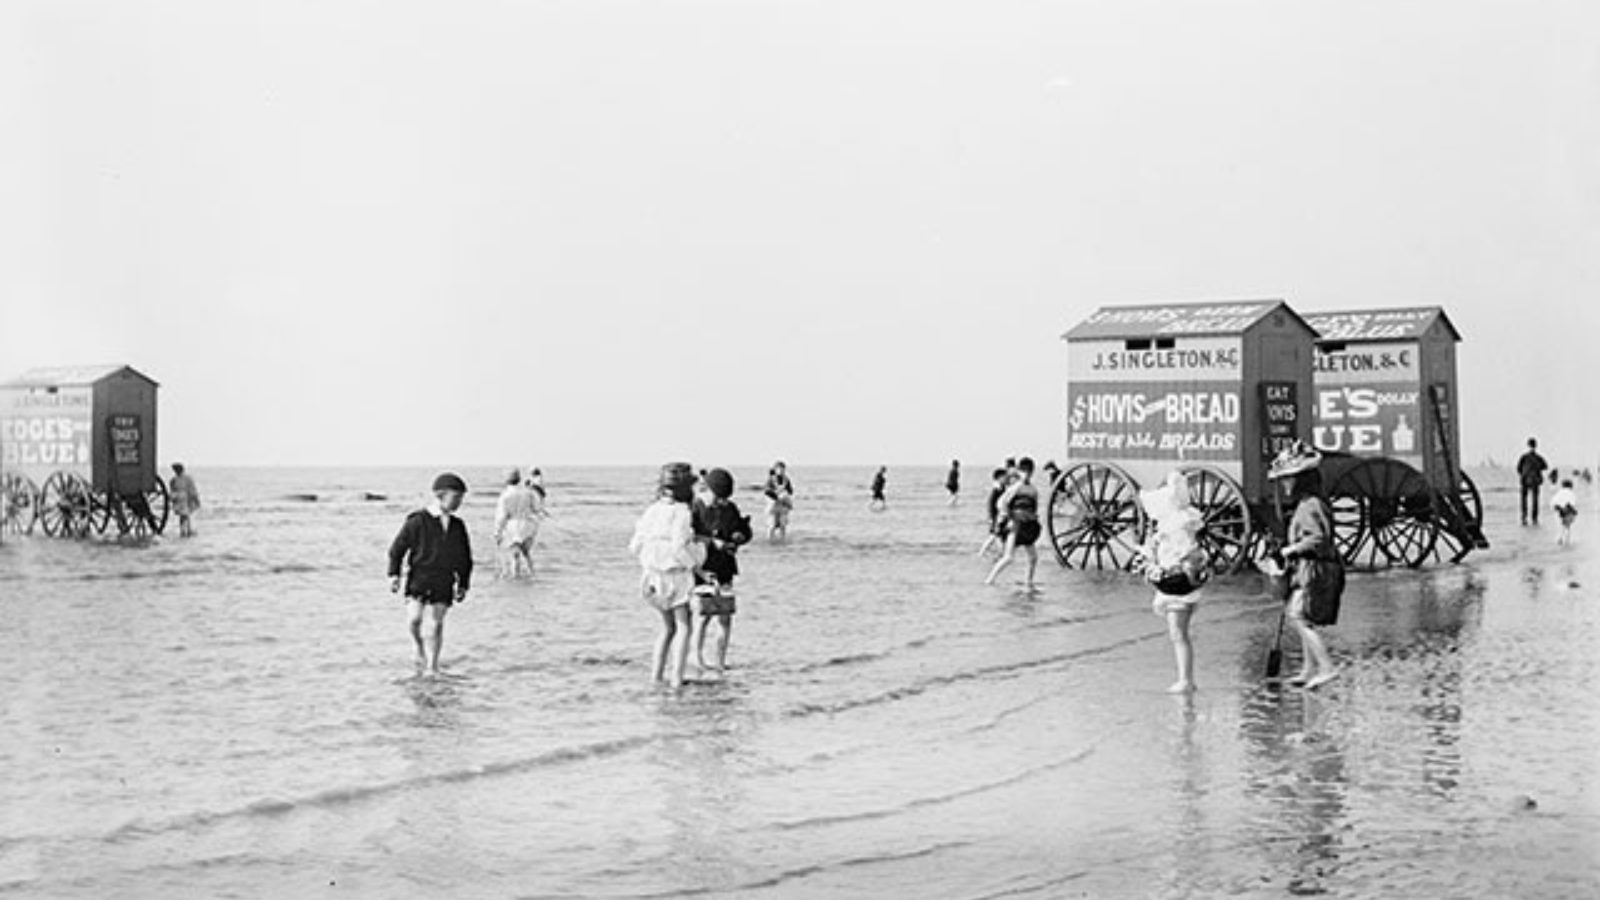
pixel 1565 503
pixel 185 499
pixel 536 484
pixel 879 481
pixel 779 491
pixel 1020 506
pixel 1530 469
pixel 664 543
pixel 1051 473
pixel 433 545
pixel 516 525
pixel 952 481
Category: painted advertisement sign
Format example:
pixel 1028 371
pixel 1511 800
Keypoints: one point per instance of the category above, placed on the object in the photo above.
pixel 1191 359
pixel 1370 420
pixel 45 431
pixel 1368 401
pixel 1280 417
pixel 1174 421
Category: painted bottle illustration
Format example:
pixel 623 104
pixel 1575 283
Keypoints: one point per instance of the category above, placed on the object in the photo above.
pixel 1403 438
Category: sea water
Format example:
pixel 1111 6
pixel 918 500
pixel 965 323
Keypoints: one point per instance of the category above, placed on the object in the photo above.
pixel 237 714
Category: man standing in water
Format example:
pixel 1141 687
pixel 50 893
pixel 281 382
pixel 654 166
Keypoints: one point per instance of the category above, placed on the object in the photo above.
pixel 952 481
pixel 440 567
pixel 1530 470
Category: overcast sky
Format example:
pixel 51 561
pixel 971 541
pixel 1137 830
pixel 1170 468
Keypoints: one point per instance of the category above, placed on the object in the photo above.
pixel 607 232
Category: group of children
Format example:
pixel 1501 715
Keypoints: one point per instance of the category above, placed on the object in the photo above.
pixel 687 544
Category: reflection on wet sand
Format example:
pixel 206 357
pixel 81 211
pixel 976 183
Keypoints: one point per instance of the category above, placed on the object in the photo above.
pixel 1298 778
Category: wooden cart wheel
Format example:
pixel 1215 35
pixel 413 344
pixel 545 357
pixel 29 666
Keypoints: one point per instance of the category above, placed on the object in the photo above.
pixel 1455 538
pixel 1398 514
pixel 1350 535
pixel 99 511
pixel 1094 514
pixel 66 506
pixel 19 504
pixel 142 515
pixel 1227 530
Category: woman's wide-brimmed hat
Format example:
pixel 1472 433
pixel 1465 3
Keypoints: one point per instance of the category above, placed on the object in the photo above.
pixel 1294 459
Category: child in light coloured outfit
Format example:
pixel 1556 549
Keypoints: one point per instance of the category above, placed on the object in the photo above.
pixel 669 553
pixel 1176 565
pixel 1565 503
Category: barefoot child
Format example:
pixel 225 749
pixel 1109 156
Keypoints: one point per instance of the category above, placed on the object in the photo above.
pixel 1565 503
pixel 726 530
pixel 1176 564
pixel 434 543
pixel 1316 571
pixel 668 553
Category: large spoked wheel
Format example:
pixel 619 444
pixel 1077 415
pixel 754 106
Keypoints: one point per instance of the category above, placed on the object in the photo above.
pixel 67 506
pixel 1226 531
pixel 1094 517
pixel 142 515
pixel 1397 513
pixel 19 504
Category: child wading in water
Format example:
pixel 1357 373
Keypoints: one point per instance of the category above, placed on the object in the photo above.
pixel 1176 565
pixel 668 553
pixel 440 567
pixel 724 529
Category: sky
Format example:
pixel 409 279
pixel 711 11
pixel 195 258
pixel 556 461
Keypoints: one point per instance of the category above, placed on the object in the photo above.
pixel 834 232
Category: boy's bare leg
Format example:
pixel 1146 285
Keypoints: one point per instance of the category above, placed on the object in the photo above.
pixel 1033 563
pixel 414 624
pixel 433 634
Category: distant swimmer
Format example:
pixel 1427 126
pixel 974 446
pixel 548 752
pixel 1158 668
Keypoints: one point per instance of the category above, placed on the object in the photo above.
pixel 779 491
pixel 952 481
pixel 669 553
pixel 1020 505
pixel 516 525
pixel 1530 470
pixel 185 499
pixel 434 547
pixel 879 481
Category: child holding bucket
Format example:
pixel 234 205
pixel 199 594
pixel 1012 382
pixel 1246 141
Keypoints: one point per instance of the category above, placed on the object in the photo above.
pixel 1176 565
pixel 724 529
pixel 668 553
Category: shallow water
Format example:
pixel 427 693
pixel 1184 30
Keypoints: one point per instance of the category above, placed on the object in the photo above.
pixel 235 715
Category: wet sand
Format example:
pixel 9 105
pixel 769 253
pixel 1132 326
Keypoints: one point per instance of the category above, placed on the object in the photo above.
pixel 234 716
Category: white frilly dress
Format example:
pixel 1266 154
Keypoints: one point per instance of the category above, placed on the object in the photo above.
pixel 663 540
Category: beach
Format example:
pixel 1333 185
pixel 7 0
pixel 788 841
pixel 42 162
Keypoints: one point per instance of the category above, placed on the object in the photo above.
pixel 236 715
